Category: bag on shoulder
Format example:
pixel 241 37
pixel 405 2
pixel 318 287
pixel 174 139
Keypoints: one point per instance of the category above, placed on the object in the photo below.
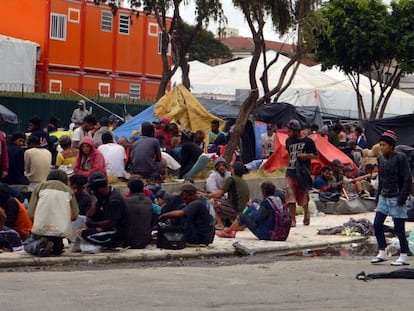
pixel 282 220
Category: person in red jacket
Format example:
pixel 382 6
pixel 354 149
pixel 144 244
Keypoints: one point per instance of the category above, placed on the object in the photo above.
pixel 4 156
pixel 90 160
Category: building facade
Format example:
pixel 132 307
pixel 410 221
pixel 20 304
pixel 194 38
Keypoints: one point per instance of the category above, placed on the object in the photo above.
pixel 85 48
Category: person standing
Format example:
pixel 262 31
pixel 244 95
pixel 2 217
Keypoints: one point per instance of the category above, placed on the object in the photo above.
pixel 79 113
pixel 268 140
pixel 82 131
pixel 393 190
pixel 300 148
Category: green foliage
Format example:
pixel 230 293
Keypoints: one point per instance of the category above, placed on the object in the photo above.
pixel 205 46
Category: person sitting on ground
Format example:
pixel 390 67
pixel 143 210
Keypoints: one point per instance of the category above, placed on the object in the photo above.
pixel 260 221
pixel 52 147
pixel 52 208
pixel 68 154
pixel 124 142
pixel 189 154
pixel 215 179
pixel 360 137
pixel 114 156
pixel 78 185
pixel 90 159
pixel 82 131
pixel 16 160
pixel 35 128
pixel 337 174
pixel 107 221
pixel 238 195
pixel 17 215
pixel 164 131
pixel 79 113
pixel 139 209
pixel 103 128
pixel 195 216
pixel 323 182
pixel 36 160
pixel 199 139
pixel 353 184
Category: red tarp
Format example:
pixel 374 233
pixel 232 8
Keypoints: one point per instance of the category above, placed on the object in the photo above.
pixel 327 153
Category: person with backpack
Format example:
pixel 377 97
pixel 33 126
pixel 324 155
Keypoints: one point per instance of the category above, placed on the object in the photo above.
pixel 264 221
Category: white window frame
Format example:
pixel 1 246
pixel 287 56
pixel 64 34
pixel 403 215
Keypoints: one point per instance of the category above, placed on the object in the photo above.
pixel 160 34
pixel 58 31
pixel 135 93
pixel 54 82
pixel 76 11
pixel 124 26
pixel 101 85
pixel 153 29
pixel 105 20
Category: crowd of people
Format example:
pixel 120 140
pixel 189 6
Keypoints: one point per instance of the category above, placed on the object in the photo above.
pixel 71 194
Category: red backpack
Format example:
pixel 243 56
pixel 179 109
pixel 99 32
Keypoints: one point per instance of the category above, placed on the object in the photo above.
pixel 282 220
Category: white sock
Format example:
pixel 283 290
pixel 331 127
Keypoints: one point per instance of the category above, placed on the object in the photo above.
pixel 382 254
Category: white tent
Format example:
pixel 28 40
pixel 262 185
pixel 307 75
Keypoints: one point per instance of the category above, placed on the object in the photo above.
pixel 309 86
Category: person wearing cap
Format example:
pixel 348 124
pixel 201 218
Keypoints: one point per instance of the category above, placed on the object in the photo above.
pixel 68 154
pixel 238 194
pixel 146 153
pixel 114 156
pixel 35 128
pixel 89 160
pixel 267 140
pixel 215 179
pixel 157 124
pixel 52 147
pixel 84 130
pixel 15 152
pixel 393 190
pixel 303 149
pixel 195 216
pixel 107 221
pixel 79 113
pixel 52 208
pixel 337 174
pixel 163 131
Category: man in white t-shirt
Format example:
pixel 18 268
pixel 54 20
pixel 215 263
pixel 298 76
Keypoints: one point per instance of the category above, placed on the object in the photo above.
pixel 267 140
pixel 88 124
pixel 114 155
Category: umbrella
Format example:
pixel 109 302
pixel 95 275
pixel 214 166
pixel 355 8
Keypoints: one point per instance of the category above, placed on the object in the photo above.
pixel 7 116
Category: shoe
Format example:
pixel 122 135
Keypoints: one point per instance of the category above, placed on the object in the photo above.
pixel 378 260
pixel 399 263
pixel 46 249
pixel 222 234
pixel 363 194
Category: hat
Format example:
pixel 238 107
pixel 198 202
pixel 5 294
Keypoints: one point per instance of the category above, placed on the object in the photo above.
pixel 347 169
pixel 389 137
pixel 337 162
pixel 65 140
pixel 97 180
pixel 219 161
pixel 188 188
pixel 53 140
pixel 157 121
pixel 294 125
pixel 81 103
pixel 165 119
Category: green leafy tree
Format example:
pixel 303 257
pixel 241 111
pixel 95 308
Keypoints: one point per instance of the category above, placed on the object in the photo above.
pixel 284 16
pixel 173 30
pixel 205 46
pixel 363 36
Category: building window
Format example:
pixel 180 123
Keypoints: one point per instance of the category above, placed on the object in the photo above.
pixel 160 37
pixel 58 27
pixel 124 24
pixel 106 21
pixel 104 89
pixel 73 16
pixel 55 86
pixel 153 30
pixel 135 91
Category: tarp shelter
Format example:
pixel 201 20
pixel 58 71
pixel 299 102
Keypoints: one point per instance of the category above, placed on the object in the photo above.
pixel 401 125
pixel 327 153
pixel 282 113
pixel 135 123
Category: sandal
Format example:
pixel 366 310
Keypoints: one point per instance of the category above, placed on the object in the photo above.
pixel 219 228
pixel 378 260
pixel 399 263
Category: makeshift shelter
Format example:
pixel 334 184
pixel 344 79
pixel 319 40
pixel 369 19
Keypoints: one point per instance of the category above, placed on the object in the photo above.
pixel 401 125
pixel 327 153
pixel 135 123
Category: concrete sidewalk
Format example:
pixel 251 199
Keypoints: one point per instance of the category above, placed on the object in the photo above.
pixel 300 238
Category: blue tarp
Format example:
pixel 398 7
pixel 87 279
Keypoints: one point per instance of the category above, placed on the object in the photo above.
pixel 134 124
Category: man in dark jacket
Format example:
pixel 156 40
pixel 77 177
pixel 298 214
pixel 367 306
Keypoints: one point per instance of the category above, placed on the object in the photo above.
pixel 393 190
pixel 16 160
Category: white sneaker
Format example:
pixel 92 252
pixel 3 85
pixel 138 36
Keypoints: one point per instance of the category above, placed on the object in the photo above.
pixel 399 262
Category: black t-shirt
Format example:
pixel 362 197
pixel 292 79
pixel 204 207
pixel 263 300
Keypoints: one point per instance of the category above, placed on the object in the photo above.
pixel 197 214
pixel 113 207
pixel 295 146
pixel 190 153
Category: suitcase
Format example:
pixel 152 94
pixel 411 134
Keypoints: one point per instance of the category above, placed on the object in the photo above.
pixel 170 236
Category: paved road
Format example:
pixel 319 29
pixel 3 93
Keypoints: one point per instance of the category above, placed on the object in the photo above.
pixel 289 283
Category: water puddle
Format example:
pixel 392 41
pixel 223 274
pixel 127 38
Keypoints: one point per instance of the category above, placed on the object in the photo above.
pixel 345 250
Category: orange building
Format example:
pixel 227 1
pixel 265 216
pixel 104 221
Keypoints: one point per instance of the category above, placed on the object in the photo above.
pixel 84 47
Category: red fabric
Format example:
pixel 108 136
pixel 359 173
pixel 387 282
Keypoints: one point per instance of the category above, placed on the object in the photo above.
pixel 4 155
pixel 327 153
